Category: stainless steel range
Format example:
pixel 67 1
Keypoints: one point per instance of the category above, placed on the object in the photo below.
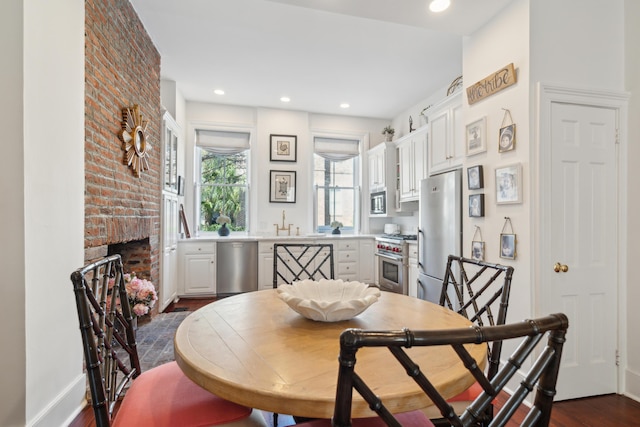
pixel 392 252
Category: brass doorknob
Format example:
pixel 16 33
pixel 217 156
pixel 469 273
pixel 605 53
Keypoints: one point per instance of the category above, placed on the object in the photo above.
pixel 560 268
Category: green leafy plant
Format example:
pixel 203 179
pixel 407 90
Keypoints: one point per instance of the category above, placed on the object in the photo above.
pixel 388 130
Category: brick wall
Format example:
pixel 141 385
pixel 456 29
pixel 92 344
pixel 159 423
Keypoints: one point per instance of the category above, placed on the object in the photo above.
pixel 122 68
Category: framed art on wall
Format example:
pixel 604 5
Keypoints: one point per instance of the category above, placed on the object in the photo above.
pixel 475 178
pixel 283 148
pixel 507 138
pixel 476 205
pixel 282 187
pixel 476 137
pixel 509 184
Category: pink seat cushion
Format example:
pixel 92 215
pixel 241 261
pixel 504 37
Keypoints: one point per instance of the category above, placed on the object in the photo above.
pixel 164 396
pixel 469 394
pixel 407 419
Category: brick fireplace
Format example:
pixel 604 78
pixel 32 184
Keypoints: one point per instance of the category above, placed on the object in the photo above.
pixel 122 68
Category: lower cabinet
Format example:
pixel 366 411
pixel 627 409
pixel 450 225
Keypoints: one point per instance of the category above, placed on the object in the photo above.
pixel 413 270
pixel 197 268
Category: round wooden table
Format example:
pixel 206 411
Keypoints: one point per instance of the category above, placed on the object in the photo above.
pixel 254 350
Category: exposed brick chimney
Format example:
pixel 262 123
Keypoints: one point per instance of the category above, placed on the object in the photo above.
pixel 122 68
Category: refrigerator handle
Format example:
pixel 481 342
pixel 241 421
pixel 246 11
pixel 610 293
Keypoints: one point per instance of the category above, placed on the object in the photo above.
pixel 420 266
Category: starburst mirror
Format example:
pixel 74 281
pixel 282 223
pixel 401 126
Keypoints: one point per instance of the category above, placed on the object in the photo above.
pixel 134 140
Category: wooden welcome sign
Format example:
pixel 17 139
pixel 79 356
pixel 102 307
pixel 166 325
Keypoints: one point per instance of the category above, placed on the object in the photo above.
pixel 491 84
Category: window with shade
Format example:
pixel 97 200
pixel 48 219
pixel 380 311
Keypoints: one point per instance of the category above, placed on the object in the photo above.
pixel 223 168
pixel 336 166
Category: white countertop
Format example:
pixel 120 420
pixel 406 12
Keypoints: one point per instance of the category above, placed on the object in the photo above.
pixel 244 237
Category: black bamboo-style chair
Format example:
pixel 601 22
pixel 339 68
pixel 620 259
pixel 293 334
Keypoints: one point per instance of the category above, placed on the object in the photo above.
pixel 479 291
pixel 299 261
pixel 162 396
pixel 541 376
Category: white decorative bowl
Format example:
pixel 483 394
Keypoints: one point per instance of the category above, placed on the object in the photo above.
pixel 328 300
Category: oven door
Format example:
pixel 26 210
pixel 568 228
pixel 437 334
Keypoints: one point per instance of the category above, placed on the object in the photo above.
pixel 391 274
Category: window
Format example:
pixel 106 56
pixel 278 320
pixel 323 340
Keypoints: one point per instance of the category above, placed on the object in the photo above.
pixel 336 163
pixel 223 165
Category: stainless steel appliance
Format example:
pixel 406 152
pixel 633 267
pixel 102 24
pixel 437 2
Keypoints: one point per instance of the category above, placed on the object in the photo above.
pixel 378 203
pixel 439 230
pixel 392 253
pixel 237 269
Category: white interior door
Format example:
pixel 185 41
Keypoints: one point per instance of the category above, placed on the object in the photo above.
pixel 579 260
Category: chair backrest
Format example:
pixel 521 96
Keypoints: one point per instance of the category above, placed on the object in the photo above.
pixel 299 261
pixel 541 377
pixel 108 336
pixel 483 289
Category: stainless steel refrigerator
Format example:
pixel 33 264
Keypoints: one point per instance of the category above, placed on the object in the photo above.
pixel 439 230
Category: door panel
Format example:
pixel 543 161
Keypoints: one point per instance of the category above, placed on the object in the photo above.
pixel 582 236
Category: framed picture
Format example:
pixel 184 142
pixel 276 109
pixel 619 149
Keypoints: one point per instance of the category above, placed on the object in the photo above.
pixel 475 178
pixel 508 246
pixel 476 137
pixel 509 184
pixel 477 250
pixel 507 138
pixel 476 205
pixel 284 148
pixel 282 187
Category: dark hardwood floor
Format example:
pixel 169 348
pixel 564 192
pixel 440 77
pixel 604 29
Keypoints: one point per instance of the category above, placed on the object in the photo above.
pixel 600 411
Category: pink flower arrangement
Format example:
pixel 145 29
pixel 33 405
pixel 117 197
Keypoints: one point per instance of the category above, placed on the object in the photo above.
pixel 142 294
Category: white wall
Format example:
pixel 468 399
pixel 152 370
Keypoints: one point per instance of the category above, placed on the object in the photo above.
pixel 632 84
pixel 263 122
pixel 12 256
pixel 53 170
pixel 502 41
pixel 42 182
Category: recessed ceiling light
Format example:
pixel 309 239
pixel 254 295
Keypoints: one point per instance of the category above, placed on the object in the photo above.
pixel 285 99
pixel 439 5
pixel 218 92
pixel 344 105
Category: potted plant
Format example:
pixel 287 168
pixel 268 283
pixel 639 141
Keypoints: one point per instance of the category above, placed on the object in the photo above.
pixel 336 227
pixel 223 220
pixel 388 133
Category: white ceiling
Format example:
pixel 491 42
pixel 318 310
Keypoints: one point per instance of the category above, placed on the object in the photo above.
pixel 380 56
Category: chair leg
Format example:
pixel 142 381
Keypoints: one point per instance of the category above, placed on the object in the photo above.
pixel 275 419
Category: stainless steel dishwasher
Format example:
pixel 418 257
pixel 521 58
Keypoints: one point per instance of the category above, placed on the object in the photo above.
pixel 237 269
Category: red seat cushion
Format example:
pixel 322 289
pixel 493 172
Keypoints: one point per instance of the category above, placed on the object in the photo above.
pixel 165 397
pixel 469 394
pixel 407 419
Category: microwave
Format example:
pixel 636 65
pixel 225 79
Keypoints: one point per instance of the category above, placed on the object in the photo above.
pixel 378 203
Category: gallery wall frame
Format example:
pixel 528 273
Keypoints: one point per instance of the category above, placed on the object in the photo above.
pixel 282 186
pixel 476 205
pixel 509 184
pixel 475 177
pixel 476 137
pixel 283 148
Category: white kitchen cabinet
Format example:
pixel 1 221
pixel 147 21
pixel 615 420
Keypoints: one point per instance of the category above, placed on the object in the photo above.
pixel 446 145
pixel 413 270
pixel 169 212
pixel 366 261
pixel 169 264
pixel 412 163
pixel 265 265
pixel 197 267
pixel 377 168
pixel 347 260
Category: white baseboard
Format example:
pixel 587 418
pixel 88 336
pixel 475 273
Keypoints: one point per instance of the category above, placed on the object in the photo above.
pixel 632 385
pixel 65 407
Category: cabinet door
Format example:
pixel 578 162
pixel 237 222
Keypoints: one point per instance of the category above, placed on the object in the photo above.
pixel 407 181
pixel 169 264
pixel 419 160
pixel 457 141
pixel 199 273
pixel 438 142
pixel 367 262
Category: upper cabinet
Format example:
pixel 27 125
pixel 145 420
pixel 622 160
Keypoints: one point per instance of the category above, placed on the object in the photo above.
pixel 378 167
pixel 170 153
pixel 412 163
pixel 446 135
